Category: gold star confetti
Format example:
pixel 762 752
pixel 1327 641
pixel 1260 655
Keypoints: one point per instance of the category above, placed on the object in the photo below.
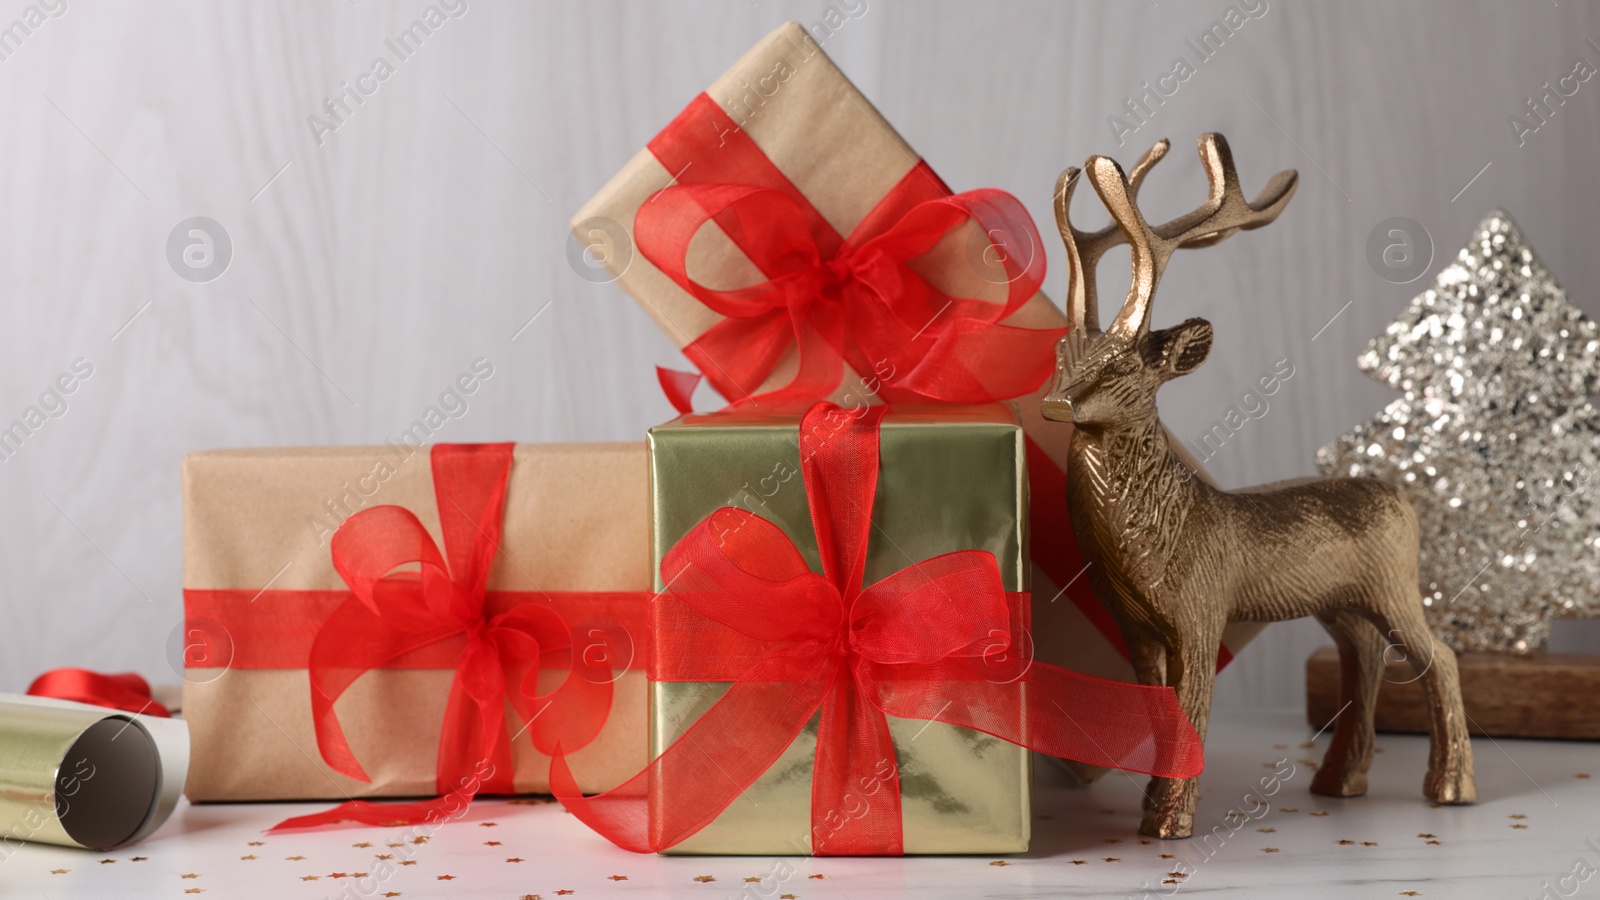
pixel 309 877
pixel 139 859
pixel 294 858
pixel 530 897
pixel 1143 841
pixel 1369 843
pixel 817 875
pixel 1436 843
pixel 564 891
pixel 1269 849
pixel 420 839
pixel 1112 859
pixel 258 843
pixel 391 893
pixel 1308 745
pixel 1519 826
pixel 396 844
pixel 444 878
pixel 704 879
pixel 786 897
pixel 513 859
pixel 625 878
pixel 1319 812
pixel 1290 809
pixel 491 843
pixel 1080 862
pixel 1168 856
pixel 752 880
pixel 190 875
pixel 408 862
pixel 1347 843
pixel 1581 775
pixel 1169 881
pixel 383 855
pixel 1113 840
pixel 59 871
pixel 358 874
pixel 1266 830
pixel 249 856
pixel 362 845
pixel 338 875
pixel 1516 816
pixel 1410 894
pixel 1178 875
pixel 487 824
pixel 999 862
pixel 1427 835
pixel 108 862
pixel 195 891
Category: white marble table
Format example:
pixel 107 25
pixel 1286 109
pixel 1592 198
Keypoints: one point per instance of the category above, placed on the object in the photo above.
pixel 1539 817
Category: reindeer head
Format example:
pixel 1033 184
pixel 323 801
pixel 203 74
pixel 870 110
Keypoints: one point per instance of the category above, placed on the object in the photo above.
pixel 1112 378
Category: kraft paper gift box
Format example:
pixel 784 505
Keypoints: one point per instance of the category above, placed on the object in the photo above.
pixel 951 478
pixel 830 144
pixel 259 582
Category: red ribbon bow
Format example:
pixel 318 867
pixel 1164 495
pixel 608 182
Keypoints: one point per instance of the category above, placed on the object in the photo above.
pixel 935 641
pixel 840 300
pixel 394 613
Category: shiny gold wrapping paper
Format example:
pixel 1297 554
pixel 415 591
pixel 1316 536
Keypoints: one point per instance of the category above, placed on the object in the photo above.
pixel 951 478
pixel 83 776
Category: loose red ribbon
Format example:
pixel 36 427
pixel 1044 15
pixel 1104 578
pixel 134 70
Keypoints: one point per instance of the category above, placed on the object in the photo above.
pixel 854 299
pixel 391 614
pixel 936 641
pixel 126 691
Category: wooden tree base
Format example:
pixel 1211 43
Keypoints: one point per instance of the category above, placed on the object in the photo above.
pixel 1550 696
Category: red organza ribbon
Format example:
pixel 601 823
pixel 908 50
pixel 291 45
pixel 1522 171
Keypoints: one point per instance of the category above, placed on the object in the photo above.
pixel 392 613
pixel 126 691
pixel 840 299
pixel 935 641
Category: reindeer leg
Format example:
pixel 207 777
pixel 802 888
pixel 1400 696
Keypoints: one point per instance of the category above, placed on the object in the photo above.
pixel 1450 774
pixel 1149 657
pixel 1192 672
pixel 1344 767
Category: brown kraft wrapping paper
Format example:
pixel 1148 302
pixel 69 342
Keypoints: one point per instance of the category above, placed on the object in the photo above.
pixel 576 519
pixel 789 98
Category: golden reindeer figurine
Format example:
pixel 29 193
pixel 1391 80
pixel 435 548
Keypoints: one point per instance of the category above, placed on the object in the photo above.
pixel 1175 559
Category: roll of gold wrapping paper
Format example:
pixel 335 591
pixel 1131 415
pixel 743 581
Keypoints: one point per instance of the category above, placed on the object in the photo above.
pixel 84 776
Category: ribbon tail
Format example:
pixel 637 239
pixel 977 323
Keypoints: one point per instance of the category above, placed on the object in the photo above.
pixel 853 814
pixel 1134 727
pixel 384 815
pixel 679 387
pixel 709 767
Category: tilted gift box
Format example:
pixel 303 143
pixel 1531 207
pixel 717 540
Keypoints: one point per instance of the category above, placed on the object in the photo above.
pixel 260 585
pixel 785 121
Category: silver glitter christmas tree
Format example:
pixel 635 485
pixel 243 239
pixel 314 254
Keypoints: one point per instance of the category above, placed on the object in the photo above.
pixel 1494 443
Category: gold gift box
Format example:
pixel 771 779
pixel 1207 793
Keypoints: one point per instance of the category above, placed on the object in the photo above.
pixel 951 478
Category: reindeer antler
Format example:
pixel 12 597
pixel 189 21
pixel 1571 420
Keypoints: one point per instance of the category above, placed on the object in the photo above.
pixel 1224 212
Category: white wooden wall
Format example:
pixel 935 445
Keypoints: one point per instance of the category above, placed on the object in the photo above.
pixel 429 228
